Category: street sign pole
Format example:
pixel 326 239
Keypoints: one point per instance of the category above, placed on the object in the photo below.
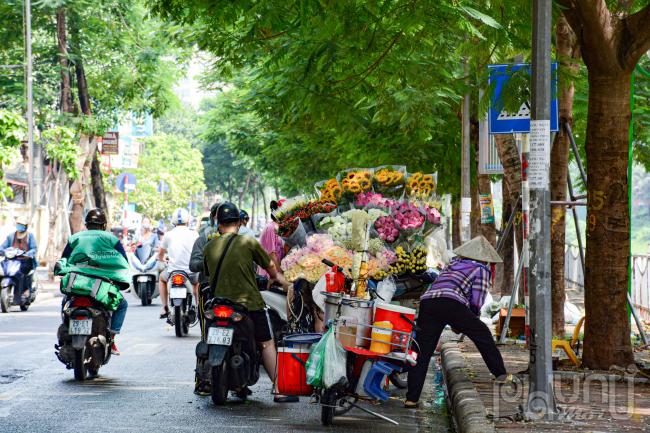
pixel 541 398
pixel 33 153
pixel 465 196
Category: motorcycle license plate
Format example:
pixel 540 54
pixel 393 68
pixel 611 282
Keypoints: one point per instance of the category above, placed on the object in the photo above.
pixel 177 292
pixel 80 327
pixel 220 336
pixel 143 279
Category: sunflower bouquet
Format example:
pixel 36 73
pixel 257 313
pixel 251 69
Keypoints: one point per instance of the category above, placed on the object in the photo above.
pixel 329 190
pixel 354 181
pixel 389 181
pixel 419 185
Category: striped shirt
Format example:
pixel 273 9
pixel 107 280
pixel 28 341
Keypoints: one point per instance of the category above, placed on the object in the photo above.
pixel 463 280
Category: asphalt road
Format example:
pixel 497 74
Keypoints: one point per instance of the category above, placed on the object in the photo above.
pixel 149 387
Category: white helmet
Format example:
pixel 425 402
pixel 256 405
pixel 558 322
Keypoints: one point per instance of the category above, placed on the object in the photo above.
pixel 180 216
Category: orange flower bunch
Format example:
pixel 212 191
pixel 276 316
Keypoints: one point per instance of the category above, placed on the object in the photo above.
pixel 357 182
pixel 420 185
pixel 389 177
pixel 330 192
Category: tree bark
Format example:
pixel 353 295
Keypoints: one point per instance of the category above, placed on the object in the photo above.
pixel 455 223
pixel 65 100
pixel 507 250
pixel 611 45
pixel 567 52
pixel 88 147
pixel 511 162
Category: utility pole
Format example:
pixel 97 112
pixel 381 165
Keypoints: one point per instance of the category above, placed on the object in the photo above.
pixel 541 398
pixel 465 196
pixel 32 151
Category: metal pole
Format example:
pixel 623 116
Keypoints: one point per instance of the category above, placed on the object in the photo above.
pixel 466 197
pixel 33 195
pixel 577 225
pixel 513 297
pixel 541 399
pixel 637 320
pixel 525 218
pixel 574 148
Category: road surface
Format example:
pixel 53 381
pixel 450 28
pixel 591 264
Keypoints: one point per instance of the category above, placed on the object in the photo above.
pixel 149 387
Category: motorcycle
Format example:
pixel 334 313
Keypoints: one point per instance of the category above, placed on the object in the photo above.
pixel 84 337
pixel 9 286
pixel 145 275
pixel 182 313
pixel 301 319
pixel 231 357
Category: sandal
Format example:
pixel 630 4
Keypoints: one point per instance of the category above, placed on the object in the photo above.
pixel 504 379
pixel 285 399
pixel 165 313
pixel 411 404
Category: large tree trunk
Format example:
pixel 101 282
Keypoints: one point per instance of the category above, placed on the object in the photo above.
pixel 607 334
pixel 611 45
pixel 88 147
pixel 511 162
pixel 65 99
pixel 507 250
pixel 567 52
pixel 98 184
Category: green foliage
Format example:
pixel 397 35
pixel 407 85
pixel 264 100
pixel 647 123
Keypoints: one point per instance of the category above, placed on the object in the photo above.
pixel 12 131
pixel 60 144
pixel 172 160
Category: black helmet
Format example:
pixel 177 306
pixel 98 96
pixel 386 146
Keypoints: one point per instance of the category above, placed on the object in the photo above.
pixel 213 210
pixel 243 215
pixel 227 213
pixel 96 218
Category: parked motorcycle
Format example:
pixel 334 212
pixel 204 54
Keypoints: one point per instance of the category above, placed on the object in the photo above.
pixel 232 358
pixel 182 313
pixel 301 319
pixel 145 275
pixel 10 293
pixel 84 337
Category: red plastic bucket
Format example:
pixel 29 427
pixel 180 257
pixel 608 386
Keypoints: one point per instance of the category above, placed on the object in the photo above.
pixel 292 374
pixel 393 314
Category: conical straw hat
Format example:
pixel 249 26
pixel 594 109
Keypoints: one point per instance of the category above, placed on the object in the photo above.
pixel 479 249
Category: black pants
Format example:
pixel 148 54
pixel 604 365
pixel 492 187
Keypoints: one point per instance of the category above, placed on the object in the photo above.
pixel 434 315
pixel 25 280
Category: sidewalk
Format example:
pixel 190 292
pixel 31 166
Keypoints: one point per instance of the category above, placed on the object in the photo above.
pixel 48 289
pixel 592 401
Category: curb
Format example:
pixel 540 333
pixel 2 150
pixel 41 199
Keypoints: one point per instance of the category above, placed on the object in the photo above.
pixel 466 407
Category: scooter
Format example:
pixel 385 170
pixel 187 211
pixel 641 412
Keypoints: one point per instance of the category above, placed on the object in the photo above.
pixel 302 309
pixel 84 338
pixel 9 286
pixel 145 275
pixel 182 313
pixel 231 357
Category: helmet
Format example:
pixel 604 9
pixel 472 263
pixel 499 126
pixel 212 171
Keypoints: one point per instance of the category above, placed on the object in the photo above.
pixel 213 211
pixel 96 218
pixel 227 213
pixel 180 216
pixel 243 215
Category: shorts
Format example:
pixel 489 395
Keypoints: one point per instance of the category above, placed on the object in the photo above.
pixel 194 277
pixel 262 324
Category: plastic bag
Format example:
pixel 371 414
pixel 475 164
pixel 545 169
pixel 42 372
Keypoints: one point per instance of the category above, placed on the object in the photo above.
pixel 386 289
pixel 334 367
pixel 315 362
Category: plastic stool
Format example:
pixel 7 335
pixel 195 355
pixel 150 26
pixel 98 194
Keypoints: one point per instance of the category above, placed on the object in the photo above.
pixel 375 379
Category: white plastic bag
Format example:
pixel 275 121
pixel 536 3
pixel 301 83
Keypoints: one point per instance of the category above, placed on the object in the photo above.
pixel 317 295
pixel 334 363
pixel 386 289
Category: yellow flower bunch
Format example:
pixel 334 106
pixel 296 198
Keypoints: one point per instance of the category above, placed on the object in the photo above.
pixel 357 182
pixel 413 262
pixel 330 192
pixel 389 177
pixel 420 185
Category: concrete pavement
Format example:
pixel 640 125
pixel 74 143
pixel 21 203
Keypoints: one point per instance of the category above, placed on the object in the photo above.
pixel 149 387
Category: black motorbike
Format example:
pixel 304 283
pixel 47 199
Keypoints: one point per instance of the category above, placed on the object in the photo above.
pixel 182 313
pixel 84 338
pixel 230 356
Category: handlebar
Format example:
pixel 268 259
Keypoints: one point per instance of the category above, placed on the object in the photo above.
pixel 332 265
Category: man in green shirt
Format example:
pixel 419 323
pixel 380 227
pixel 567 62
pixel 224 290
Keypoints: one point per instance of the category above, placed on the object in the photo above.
pixel 236 279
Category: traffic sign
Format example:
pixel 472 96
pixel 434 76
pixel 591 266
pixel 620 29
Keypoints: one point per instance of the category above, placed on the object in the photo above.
pixel 502 122
pixel 125 182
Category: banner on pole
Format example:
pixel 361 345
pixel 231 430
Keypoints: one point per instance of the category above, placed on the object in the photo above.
pixel 539 157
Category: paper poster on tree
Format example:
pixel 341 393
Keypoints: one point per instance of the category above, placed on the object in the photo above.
pixel 487 208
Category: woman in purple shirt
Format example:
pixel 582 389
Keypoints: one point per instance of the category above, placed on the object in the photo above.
pixel 455 299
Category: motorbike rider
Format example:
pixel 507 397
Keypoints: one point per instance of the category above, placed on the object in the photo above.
pixel 243 229
pixel 146 243
pixel 177 245
pixel 236 280
pixel 101 243
pixel 25 241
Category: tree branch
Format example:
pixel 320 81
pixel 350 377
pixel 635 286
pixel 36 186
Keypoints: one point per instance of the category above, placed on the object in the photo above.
pixel 637 32
pixel 374 64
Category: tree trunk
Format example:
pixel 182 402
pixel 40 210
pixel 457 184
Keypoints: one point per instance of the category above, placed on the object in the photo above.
pixel 455 223
pixel 264 204
pixel 511 161
pixel 507 250
pixel 566 52
pixel 98 184
pixel 88 147
pixel 607 341
pixel 65 99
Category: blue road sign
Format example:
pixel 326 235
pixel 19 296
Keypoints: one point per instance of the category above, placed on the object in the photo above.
pixel 125 182
pixel 503 122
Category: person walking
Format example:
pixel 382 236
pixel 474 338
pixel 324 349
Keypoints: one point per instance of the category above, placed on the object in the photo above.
pixel 455 299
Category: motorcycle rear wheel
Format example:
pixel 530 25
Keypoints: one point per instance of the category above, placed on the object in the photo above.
pixel 79 363
pixel 219 390
pixel 178 321
pixel 4 300
pixel 328 400
pixel 24 307
pixel 400 380
pixel 142 293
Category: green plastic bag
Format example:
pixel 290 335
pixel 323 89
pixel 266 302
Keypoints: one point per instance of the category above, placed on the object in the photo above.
pixel 102 291
pixel 315 363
